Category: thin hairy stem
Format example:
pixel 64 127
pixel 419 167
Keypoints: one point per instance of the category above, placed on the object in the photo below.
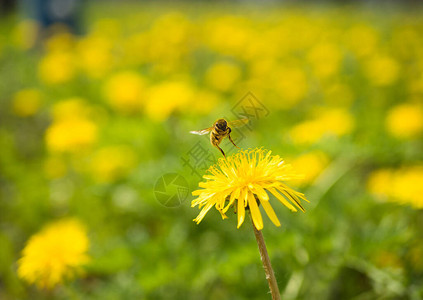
pixel 270 275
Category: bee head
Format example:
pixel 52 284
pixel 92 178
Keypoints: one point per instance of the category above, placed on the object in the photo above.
pixel 221 124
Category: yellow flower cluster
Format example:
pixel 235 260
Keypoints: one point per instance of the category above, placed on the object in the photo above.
pixel 125 91
pixel 405 121
pixel 334 122
pixel 310 166
pixel 26 102
pixel 140 70
pixel 55 254
pixel 402 185
pixel 112 162
pixel 71 129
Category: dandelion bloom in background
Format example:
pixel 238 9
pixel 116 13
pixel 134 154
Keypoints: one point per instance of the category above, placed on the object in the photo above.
pixel 402 185
pixel 310 165
pixel 113 162
pixel 26 102
pixel 56 67
pixel 56 253
pixel 243 180
pixel 125 91
pixel 71 135
pixel 333 122
pixel 94 54
pixel 72 129
pixel 222 76
pixel 405 121
pixel 168 97
pixel 382 70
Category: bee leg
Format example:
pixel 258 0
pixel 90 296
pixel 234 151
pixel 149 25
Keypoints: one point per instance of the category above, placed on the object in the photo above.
pixel 215 141
pixel 229 136
pixel 220 150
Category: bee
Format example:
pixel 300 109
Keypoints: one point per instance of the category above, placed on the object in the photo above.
pixel 221 129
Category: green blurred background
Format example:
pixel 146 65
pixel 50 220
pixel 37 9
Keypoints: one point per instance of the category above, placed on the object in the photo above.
pixel 91 121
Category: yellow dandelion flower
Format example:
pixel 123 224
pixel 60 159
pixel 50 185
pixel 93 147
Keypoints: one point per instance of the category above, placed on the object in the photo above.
pixel 223 75
pixel 26 102
pixel 325 59
pixel 405 121
pixel 70 108
pixel 216 31
pixel 56 67
pixel 242 180
pixel 24 35
pixel 167 97
pixel 291 84
pixel 379 182
pixel 56 253
pixel 125 91
pixel 382 70
pixel 333 122
pixel 113 162
pixel 209 100
pixel 398 185
pixel 310 165
pixel 61 40
pixel 362 39
pixel 95 57
pixel 71 135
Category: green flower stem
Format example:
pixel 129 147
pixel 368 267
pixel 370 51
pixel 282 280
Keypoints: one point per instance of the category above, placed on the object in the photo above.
pixel 270 275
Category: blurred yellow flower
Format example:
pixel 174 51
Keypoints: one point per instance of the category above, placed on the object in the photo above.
pixel 223 76
pixel 94 55
pixel 217 30
pixel 26 102
pixel 56 67
pixel 71 135
pixel 382 70
pixel 402 185
pixel 70 108
pixel 167 97
pixel 206 101
pixel 174 32
pixel 54 254
pixel 363 39
pixel 310 165
pixel 125 91
pixel 133 47
pixel 61 41
pixel 72 130
pixel 405 121
pixel 291 84
pixel 379 182
pixel 336 122
pixel 112 163
pixel 325 59
pixel 241 180
pixel 25 34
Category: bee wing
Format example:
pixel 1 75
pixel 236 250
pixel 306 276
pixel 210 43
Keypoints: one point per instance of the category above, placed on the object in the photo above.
pixel 202 132
pixel 238 123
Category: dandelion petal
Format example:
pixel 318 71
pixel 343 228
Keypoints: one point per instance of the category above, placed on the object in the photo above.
pixel 255 211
